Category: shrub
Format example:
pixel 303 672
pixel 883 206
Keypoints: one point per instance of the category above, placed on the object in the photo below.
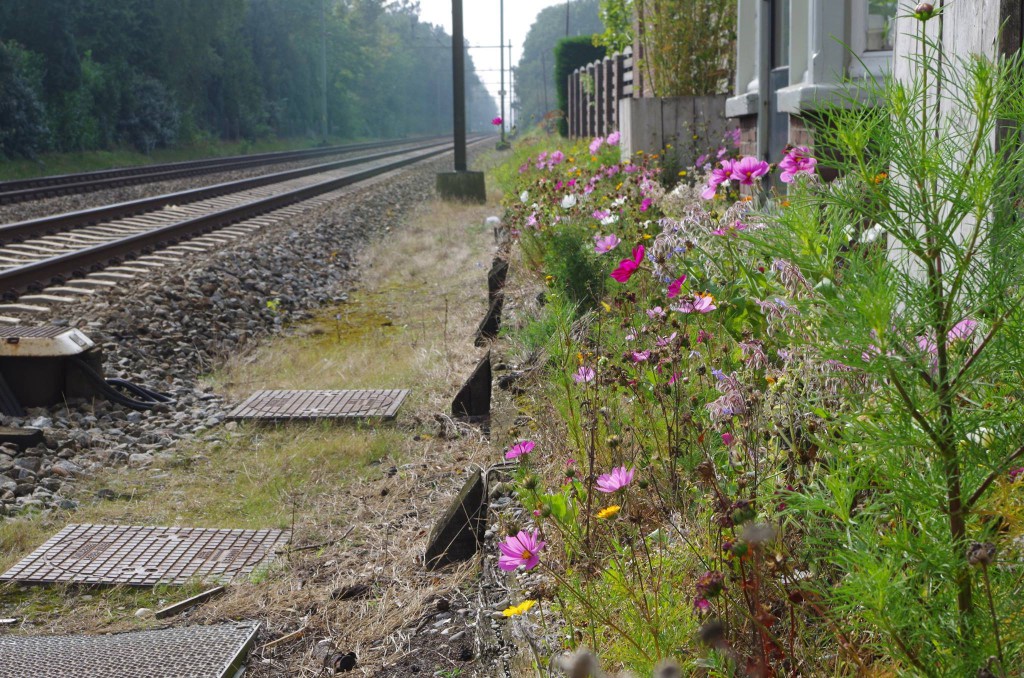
pixel 23 129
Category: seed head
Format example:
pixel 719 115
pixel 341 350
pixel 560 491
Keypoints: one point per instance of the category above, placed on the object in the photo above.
pixel 979 553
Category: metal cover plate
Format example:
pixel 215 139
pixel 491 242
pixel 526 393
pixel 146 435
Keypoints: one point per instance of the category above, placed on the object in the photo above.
pixel 186 652
pixel 145 556
pixel 315 405
pixel 48 341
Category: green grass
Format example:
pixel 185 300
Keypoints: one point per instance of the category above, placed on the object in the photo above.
pixel 71 163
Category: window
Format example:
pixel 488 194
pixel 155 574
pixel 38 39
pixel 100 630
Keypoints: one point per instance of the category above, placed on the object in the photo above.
pixel 880 24
pixel 872 30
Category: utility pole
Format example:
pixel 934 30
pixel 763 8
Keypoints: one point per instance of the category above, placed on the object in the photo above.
pixel 323 70
pixel 461 184
pixel 501 93
pixel 459 85
pixel 567 18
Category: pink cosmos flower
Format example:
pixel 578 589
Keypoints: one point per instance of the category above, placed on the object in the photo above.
pixel 640 356
pixel 520 551
pixel 727 439
pixel 663 342
pixel 519 449
pixel 627 267
pixel 656 312
pixel 675 286
pixel 596 145
pixel 605 243
pixel 645 204
pixel 497 121
pixel 584 374
pixel 721 152
pixel 720 175
pixel 797 161
pixel 619 478
pixel 701 160
pixel 701 303
pixel 963 330
pixel 748 169
pixel 613 139
pixel 734 135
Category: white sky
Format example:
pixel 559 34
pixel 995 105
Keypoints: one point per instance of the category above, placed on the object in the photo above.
pixel 481 24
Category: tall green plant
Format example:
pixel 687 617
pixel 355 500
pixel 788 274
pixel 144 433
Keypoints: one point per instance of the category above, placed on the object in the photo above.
pixel 688 45
pixel 918 252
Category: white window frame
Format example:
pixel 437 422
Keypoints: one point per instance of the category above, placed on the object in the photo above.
pixel 865 64
pixel 747 85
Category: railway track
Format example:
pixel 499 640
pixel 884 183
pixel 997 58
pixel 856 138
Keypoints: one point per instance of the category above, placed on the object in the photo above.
pixel 23 190
pixel 57 259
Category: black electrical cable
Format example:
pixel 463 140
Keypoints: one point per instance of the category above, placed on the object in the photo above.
pixel 147 399
pixel 9 404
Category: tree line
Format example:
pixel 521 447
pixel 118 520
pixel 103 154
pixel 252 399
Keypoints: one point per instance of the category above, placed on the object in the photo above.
pixel 78 75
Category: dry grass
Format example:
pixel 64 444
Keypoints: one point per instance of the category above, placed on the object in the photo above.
pixel 368 494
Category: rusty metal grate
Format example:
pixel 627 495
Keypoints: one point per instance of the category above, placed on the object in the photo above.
pixel 21 332
pixel 186 652
pixel 145 556
pixel 314 405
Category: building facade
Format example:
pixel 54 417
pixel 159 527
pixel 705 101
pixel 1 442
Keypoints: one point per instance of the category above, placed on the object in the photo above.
pixel 795 55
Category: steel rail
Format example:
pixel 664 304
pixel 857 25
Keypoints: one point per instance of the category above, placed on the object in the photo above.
pixel 34 228
pixel 38 275
pixel 23 190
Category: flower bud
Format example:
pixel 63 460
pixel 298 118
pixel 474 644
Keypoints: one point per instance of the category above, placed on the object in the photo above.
pixel 924 11
pixel 531 483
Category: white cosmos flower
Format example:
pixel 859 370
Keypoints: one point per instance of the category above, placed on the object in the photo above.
pixel 569 201
pixel 610 219
pixel 872 234
pixel 524 196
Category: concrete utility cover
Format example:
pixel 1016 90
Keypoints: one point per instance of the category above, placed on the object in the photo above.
pixel 315 405
pixel 46 341
pixel 186 652
pixel 145 556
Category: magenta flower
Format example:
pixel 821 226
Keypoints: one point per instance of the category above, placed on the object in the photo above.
pixel 675 286
pixel 613 139
pixel 584 374
pixel 520 551
pixel 645 204
pixel 656 312
pixel 596 145
pixel 748 169
pixel 640 356
pixel 797 161
pixel 619 478
pixel 605 243
pixel 734 135
pixel 720 175
pixel 727 439
pixel 701 160
pixel 1016 473
pixel 556 158
pixel 627 267
pixel 497 121
pixel 519 449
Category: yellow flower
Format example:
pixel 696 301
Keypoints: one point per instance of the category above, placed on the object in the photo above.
pixel 607 309
pixel 880 177
pixel 609 512
pixel 521 608
pixel 785 203
pixel 647 236
pixel 683 173
pixel 770 380
pixel 579 357
pixel 696 136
